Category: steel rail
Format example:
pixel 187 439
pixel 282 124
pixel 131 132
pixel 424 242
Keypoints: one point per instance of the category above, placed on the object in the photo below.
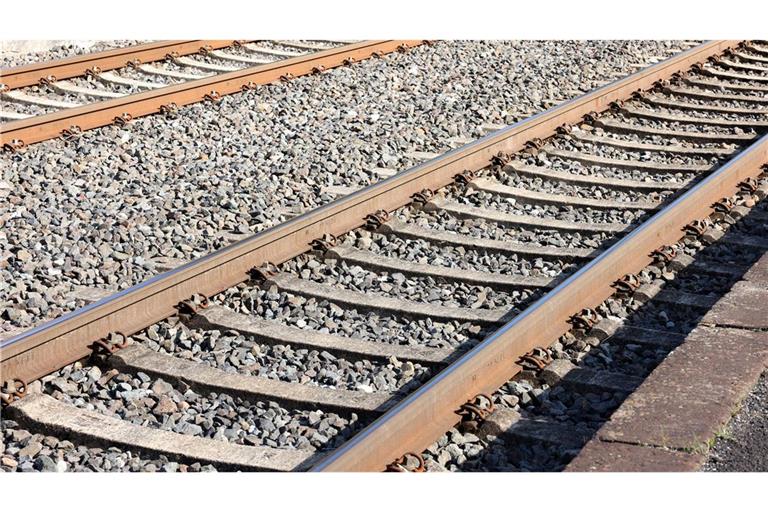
pixel 102 113
pixel 56 343
pixel 430 411
pixel 31 74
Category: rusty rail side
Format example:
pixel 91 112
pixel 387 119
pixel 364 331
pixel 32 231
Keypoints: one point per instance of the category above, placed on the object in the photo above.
pixel 30 74
pixel 56 343
pixel 429 412
pixel 102 113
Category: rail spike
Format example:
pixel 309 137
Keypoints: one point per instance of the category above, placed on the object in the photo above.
pixel 325 243
pixel 14 146
pixel 71 133
pixel 465 178
pixel 696 228
pixel 263 273
pixel 109 344
pixel 664 254
pixel 400 465
pixel 213 96
pixel 123 119
pixel 170 110
pixel 501 159
pixel 421 198
pixel 536 359
pixel 193 304
pixel 375 220
pixel 12 390
pixel 584 320
pixel 627 284
pixel 474 412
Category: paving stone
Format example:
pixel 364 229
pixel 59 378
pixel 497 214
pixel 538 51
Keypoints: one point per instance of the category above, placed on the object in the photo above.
pixel 758 274
pixel 693 392
pixel 743 306
pixel 620 457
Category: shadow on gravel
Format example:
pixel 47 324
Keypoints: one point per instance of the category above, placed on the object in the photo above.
pixel 570 414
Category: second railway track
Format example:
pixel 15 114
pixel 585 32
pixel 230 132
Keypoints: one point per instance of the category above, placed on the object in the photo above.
pixel 217 361
pixel 66 97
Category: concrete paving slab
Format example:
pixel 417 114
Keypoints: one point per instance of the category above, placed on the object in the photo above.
pixel 620 457
pixel 743 307
pixel 693 393
pixel 758 274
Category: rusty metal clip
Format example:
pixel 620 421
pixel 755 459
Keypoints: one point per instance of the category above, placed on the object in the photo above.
pixel 501 159
pixel 695 67
pixel 14 146
pixel 400 465
pixel 172 56
pixel 133 64
pixel 213 96
pixel 474 412
pixel 590 117
pixel 264 272
pixel 375 220
pixel 696 228
pixel 109 345
pixel 584 320
pixel 318 69
pixel 536 359
pixel 287 77
pixel 123 119
pixel 465 178
pixel 4 88
pixel 724 205
pixel 9 396
pixel 636 95
pixel 169 109
pixel 248 86
pixel 627 284
pixel 616 105
pixel 239 42
pixel 714 59
pixel 94 72
pixel 423 197
pixel 205 50
pixel 325 243
pixel 533 146
pixel 193 304
pixel 750 185
pixel 377 54
pixel 664 254
pixel 71 133
pixel 47 80
pixel 564 129
pixel 403 48
pixel 349 60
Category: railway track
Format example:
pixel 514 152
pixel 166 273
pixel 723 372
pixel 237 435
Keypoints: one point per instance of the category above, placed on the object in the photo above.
pixel 65 97
pixel 486 256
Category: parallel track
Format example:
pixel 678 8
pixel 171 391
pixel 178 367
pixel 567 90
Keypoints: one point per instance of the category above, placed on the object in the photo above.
pixel 161 87
pixel 447 187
